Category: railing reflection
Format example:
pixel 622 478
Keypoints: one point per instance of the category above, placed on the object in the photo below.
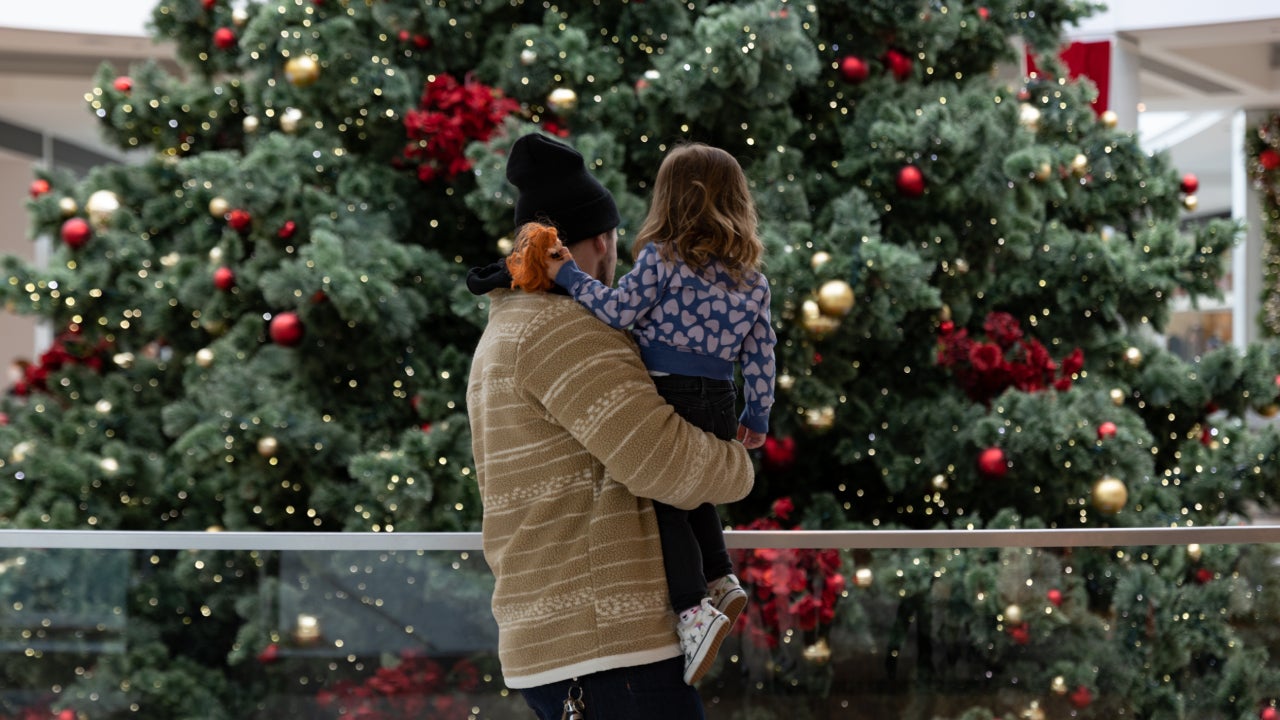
pixel 881 624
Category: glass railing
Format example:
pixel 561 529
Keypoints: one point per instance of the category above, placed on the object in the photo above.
pixel 1010 624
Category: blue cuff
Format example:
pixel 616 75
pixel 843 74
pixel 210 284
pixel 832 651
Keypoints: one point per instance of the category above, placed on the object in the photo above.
pixel 569 274
pixel 755 423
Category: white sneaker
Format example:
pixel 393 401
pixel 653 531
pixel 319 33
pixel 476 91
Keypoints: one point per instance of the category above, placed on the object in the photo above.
pixel 701 629
pixel 728 597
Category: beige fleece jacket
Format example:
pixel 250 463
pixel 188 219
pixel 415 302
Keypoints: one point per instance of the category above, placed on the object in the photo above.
pixel 569 436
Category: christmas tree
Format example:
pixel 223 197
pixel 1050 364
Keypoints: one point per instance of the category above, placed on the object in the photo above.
pixel 262 326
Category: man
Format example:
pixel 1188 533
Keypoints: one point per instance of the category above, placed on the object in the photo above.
pixel 569 437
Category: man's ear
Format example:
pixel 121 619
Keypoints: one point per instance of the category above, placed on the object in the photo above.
pixel 600 242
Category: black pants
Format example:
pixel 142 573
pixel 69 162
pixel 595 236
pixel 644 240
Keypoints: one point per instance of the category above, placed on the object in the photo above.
pixel 693 549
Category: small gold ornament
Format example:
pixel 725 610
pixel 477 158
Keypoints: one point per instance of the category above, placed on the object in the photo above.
pixel 101 207
pixel 219 207
pixel 267 446
pixel 1110 119
pixel 1029 116
pixel 1117 396
pixel 862 577
pixel 506 245
pixel 170 259
pixel 251 123
pixel 817 324
pixel 944 313
pixel 820 258
pixel 204 357
pixel 302 71
pixel 291 120
pixel 20 451
pixel 939 482
pixel 1059 685
pixel 109 465
pixel 1109 495
pixel 215 255
pixel 306 629
pixel 1033 712
pixel 1268 410
pixel 1013 614
pixel 239 17
pixel 961 265
pixel 102 406
pixel 818 653
pixel 1190 202
pixel 123 360
pixel 786 381
pixel 1080 164
pixel 528 56
pixel 1195 552
pixel 1044 172
pixel 214 528
pixel 820 419
pixel 562 100
pixel 835 298
pixel 1133 356
pixel 68 206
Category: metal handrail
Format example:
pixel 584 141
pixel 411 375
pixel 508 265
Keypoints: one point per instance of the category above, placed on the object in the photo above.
pixel 737 539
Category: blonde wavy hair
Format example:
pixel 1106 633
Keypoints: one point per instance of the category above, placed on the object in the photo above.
pixel 702 211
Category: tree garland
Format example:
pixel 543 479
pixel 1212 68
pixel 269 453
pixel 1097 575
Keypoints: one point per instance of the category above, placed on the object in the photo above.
pixel 1264 171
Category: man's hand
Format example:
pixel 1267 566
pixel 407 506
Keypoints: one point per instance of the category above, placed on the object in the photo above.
pixel 750 438
pixel 557 256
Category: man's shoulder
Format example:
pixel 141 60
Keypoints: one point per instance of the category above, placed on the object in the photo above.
pixel 552 315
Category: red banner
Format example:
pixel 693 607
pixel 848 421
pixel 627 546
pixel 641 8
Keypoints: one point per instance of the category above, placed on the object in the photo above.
pixel 1086 59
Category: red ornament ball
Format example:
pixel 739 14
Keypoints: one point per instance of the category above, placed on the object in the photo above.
pixel 286 329
pixel 1204 575
pixel 4 418
pixel 67 714
pixel 39 187
pixel 1081 698
pixel 1020 634
pixel 854 69
pixel 947 327
pixel 992 462
pixel 224 278
pixel 239 220
pixel 910 181
pixel 405 36
pixel 1269 713
pixel 76 232
pixel 1269 159
pixel 984 13
pixel 208 4
pixel 1055 597
pixel 287 230
pixel 1106 430
pixel 1190 183
pixel 269 654
pixel 224 38
pixel 899 64
pixel 778 454
pixel 123 83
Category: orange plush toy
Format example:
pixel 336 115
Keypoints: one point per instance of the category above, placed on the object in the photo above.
pixel 535 244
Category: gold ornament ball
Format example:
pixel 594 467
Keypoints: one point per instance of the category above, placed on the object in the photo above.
pixel 817 324
pixel 1080 164
pixel 1117 396
pixel 835 298
pixel 1268 410
pixel 302 71
pixel 1059 685
pixel 1190 202
pixel 820 419
pixel 109 465
pixel 961 266
pixel 863 578
pixel 1044 172
pixel 786 381
pixel 818 653
pixel 1133 356
pixel 562 100
pixel 1033 712
pixel 291 120
pixel 20 451
pixel 68 207
pixel 251 123
pixel 528 56
pixel 204 357
pixel 1013 614
pixel 219 207
pixel 215 255
pixel 102 406
pixel 239 17
pixel 267 446
pixel 820 258
pixel 1029 116
pixel 944 313
pixel 1109 495
pixel 1195 552
pixel 214 528
pixel 506 245
pixel 123 360
pixel 939 482
pixel 1110 119
pixel 101 207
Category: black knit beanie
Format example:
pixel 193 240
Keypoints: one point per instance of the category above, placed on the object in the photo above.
pixel 555 187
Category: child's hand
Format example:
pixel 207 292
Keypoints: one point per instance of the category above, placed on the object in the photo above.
pixel 557 256
pixel 750 438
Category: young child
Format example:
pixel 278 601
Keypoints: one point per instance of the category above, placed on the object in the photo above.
pixel 697 306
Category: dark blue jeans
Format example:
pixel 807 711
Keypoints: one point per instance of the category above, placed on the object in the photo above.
pixel 693 549
pixel 644 692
